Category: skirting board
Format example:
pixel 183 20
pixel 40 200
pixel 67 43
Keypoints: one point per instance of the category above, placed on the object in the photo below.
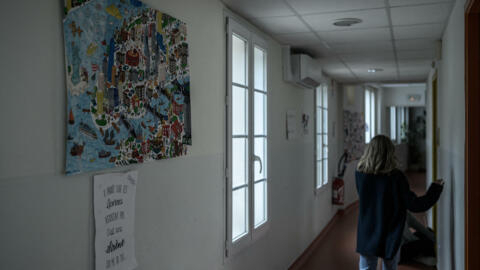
pixel 300 261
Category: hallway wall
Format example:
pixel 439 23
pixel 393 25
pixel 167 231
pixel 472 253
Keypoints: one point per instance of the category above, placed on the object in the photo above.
pixel 451 122
pixel 46 217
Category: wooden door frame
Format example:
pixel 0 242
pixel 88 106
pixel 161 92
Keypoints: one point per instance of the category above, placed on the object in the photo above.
pixel 472 135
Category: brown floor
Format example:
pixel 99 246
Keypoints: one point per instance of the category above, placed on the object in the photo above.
pixel 337 249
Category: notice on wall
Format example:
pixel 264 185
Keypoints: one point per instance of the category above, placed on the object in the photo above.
pixel 114 208
pixel 291 124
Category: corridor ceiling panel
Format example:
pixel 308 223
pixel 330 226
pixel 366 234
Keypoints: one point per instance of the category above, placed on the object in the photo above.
pixel 399 36
pixel 326 6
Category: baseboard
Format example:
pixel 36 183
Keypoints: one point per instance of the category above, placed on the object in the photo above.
pixel 302 259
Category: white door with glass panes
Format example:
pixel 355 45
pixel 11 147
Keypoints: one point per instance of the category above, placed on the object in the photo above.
pixel 247 138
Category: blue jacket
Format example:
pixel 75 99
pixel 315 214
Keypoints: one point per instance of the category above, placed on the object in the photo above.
pixel 384 201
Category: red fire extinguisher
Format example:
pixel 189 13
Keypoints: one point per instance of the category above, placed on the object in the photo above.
pixel 338 186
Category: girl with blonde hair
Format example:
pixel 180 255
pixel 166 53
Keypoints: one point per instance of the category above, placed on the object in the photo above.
pixel 385 197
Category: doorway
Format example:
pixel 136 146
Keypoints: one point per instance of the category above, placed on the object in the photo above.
pixel 472 134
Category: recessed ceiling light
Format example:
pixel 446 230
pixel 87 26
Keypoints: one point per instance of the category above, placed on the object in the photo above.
pixel 346 22
pixel 373 70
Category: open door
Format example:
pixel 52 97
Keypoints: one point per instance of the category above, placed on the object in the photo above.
pixel 472 135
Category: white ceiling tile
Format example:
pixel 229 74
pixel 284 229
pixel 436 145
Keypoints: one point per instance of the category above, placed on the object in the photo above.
pixel 353 36
pixel 417 54
pixel 414 67
pixel 281 25
pixel 431 31
pixel 362 47
pixel 323 6
pixel 367 58
pixel 364 66
pixel 298 39
pixel 394 3
pixel 406 15
pixel 370 18
pixel 416 44
pixel 256 9
pixel 315 50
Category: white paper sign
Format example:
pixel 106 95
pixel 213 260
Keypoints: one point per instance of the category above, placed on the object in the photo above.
pixel 114 206
pixel 291 124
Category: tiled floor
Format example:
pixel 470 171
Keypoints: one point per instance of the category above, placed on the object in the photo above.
pixel 337 250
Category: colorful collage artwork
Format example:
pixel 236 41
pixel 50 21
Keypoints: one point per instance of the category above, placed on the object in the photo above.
pixel 128 84
pixel 354 128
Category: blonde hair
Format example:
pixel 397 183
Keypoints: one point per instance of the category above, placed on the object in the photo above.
pixel 379 156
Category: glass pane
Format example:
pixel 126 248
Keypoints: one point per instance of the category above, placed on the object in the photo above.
pixel 239 162
pixel 393 123
pixel 239 213
pixel 325 152
pixel 239 111
pixel 325 97
pixel 325 121
pixel 260 203
pixel 319 146
pixel 319 96
pixel 372 114
pixel 325 171
pixel 239 60
pixel 259 62
pixel 260 151
pixel 367 116
pixel 319 174
pixel 319 121
pixel 260 114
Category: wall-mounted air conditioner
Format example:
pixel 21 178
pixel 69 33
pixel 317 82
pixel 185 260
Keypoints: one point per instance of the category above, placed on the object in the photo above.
pixel 301 69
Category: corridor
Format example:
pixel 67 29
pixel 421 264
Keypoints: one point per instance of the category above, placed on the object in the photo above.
pixel 226 134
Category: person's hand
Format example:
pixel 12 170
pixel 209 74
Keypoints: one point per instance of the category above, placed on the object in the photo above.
pixel 439 182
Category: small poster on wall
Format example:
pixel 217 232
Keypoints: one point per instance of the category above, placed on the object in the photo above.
pixel 114 210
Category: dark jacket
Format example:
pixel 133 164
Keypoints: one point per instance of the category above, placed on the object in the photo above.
pixel 384 201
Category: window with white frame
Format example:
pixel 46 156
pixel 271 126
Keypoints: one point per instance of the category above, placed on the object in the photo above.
pixel 246 172
pixel 369 115
pixel 321 131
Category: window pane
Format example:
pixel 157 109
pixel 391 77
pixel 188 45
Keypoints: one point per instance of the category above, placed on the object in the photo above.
pixel 260 203
pixel 260 114
pixel 259 62
pixel 367 116
pixel 319 147
pixel 239 213
pixel 325 97
pixel 239 111
pixel 319 96
pixel 319 173
pixel 325 121
pixel 239 162
pixel 260 151
pixel 239 60
pixel 319 121
pixel 372 114
pixel 393 123
pixel 325 152
pixel 325 171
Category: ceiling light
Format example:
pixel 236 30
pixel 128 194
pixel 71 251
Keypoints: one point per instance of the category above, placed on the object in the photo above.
pixel 373 70
pixel 346 22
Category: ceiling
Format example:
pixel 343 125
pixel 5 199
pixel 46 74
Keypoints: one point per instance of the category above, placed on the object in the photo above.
pixel 398 36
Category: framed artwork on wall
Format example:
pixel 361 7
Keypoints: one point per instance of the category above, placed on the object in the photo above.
pixel 128 84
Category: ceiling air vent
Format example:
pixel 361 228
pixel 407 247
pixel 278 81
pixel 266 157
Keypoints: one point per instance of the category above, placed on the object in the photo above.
pixel 346 22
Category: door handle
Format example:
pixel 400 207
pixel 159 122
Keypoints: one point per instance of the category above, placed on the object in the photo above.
pixel 257 158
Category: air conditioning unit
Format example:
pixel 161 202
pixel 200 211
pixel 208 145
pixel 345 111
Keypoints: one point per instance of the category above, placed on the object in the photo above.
pixel 301 69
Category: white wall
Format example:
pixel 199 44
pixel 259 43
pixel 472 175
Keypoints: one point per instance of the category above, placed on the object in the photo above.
pixel 46 217
pixel 451 163
pixel 398 96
